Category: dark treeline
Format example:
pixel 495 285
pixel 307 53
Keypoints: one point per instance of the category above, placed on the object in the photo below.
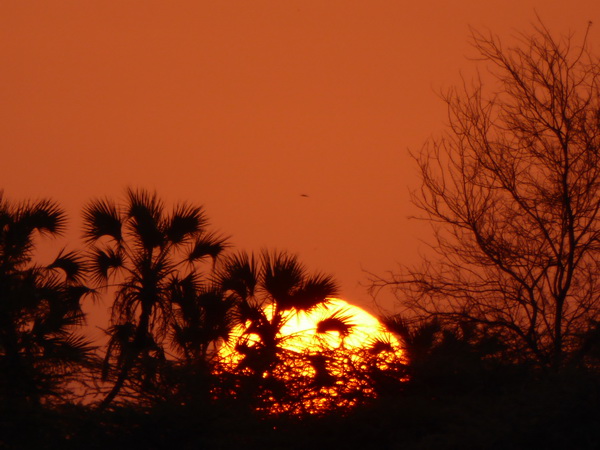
pixel 500 333
pixel 177 290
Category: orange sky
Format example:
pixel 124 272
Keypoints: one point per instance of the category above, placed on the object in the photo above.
pixel 243 106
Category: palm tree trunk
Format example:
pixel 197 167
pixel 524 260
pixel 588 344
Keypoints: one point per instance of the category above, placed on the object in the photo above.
pixel 116 387
pixel 137 344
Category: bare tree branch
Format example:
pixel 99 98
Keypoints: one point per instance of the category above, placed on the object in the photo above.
pixel 512 190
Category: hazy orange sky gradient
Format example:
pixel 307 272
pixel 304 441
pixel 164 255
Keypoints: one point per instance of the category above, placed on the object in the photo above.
pixel 243 106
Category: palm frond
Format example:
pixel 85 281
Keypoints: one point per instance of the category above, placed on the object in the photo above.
pixel 6 216
pixel 102 261
pixel 19 222
pixel 183 292
pixel 75 293
pixel 17 243
pixel 148 203
pixel 249 312
pixel 71 263
pixel 102 218
pixel 75 317
pixel 379 345
pixel 45 216
pixel 211 245
pixel 282 275
pixel 239 274
pixel 186 221
pixel 313 292
pixel 68 350
pixel 146 213
pixel 340 321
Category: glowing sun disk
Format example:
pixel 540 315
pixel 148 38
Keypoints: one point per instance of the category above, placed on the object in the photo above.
pixel 335 324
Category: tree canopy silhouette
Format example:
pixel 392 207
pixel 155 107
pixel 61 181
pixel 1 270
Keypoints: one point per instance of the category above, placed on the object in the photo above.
pixel 295 350
pixel 264 292
pixel 40 308
pixel 148 256
pixel 512 190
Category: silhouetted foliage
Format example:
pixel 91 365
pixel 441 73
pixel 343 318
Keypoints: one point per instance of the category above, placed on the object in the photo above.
pixel 513 193
pixel 266 292
pixel 298 372
pixel 453 357
pixel 40 309
pixel 200 359
pixel 148 257
pixel 457 388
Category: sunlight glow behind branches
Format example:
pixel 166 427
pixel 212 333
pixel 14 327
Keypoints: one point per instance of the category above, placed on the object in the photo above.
pixel 327 357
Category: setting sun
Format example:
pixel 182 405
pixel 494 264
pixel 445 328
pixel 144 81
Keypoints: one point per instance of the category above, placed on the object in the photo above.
pixel 325 347
pixel 335 324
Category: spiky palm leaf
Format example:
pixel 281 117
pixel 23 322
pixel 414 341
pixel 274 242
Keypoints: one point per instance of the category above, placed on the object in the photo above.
pixel 44 216
pixel 102 218
pixel 379 345
pixel 71 263
pixel 146 220
pixel 19 224
pixel 103 261
pixel 184 223
pixel 239 274
pixel 313 291
pixel 66 351
pixel 340 321
pixel 207 245
pixel 282 274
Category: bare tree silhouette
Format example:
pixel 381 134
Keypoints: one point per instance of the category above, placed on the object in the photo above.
pixel 148 256
pixel 513 193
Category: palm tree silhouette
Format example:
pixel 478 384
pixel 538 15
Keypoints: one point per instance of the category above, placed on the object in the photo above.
pixel 40 306
pixel 203 317
pixel 202 321
pixel 264 290
pixel 144 254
